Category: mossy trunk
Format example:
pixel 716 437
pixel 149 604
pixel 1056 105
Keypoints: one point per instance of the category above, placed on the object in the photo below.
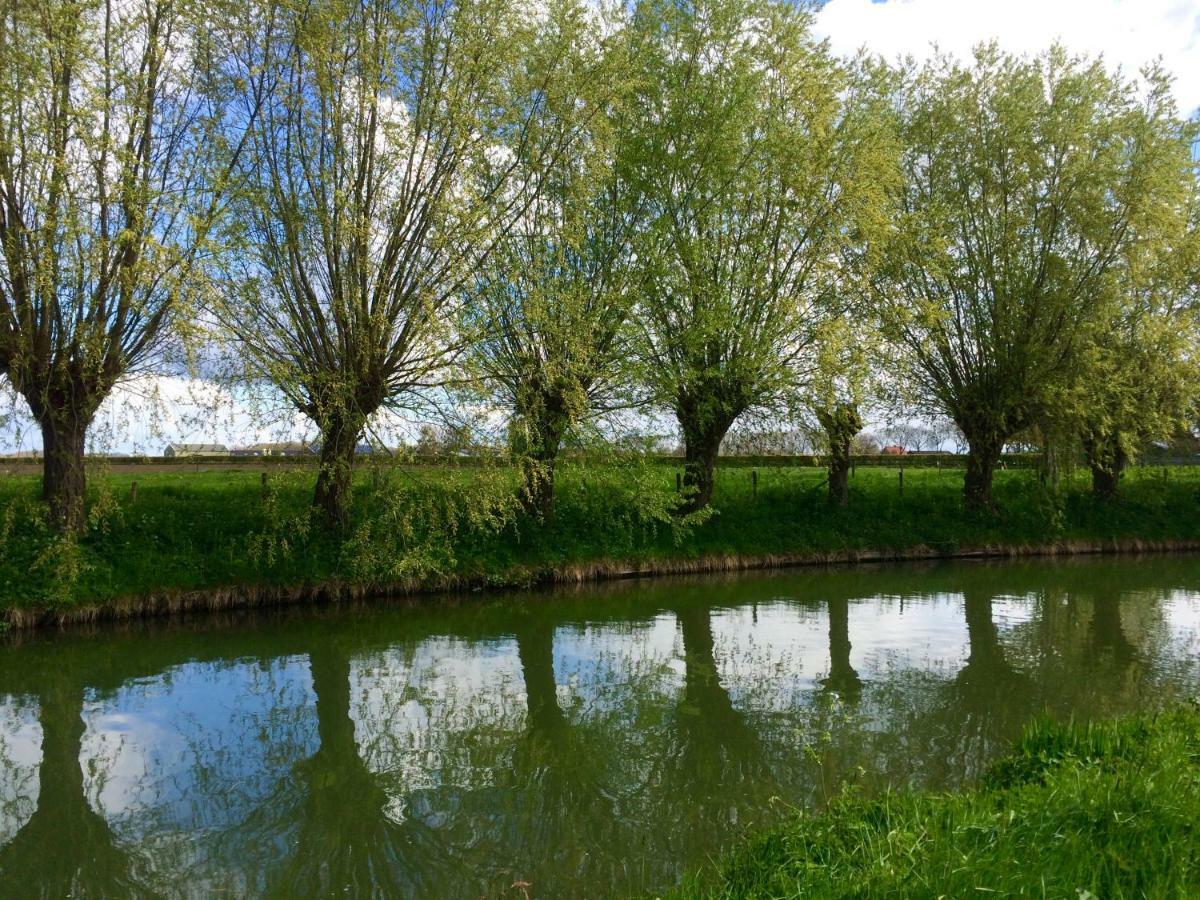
pixel 335 490
pixel 537 450
pixel 841 424
pixel 64 481
pixel 699 467
pixel 1107 460
pixel 702 438
pixel 982 457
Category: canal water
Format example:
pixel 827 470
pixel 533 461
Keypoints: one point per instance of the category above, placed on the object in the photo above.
pixel 598 741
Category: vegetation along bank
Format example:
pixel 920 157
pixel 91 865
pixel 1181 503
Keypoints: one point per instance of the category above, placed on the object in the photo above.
pixel 1098 810
pixel 166 541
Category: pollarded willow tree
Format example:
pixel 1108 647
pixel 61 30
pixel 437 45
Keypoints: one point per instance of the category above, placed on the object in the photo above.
pixel 751 173
pixel 107 190
pixel 1141 375
pixel 840 385
pixel 547 313
pixel 380 179
pixel 1027 180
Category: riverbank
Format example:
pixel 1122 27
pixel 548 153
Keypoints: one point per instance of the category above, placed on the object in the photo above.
pixel 1099 810
pixel 191 540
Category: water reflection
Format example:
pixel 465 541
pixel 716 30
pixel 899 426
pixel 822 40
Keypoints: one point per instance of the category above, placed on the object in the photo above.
pixel 597 741
pixel 843 679
pixel 65 846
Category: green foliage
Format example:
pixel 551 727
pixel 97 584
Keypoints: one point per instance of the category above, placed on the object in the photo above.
pixel 1031 185
pixel 218 529
pixel 545 317
pixel 418 527
pixel 1088 810
pixel 753 170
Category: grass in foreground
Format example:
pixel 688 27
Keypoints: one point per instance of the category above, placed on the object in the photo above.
pixel 1107 810
pixel 207 529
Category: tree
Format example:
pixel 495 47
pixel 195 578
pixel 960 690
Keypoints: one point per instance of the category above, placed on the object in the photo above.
pixel 751 176
pixel 378 185
pixel 839 388
pixel 548 309
pixel 1026 180
pixel 1141 376
pixel 107 115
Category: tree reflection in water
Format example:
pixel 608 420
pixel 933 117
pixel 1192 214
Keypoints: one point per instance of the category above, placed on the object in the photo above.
pixel 842 679
pixel 347 844
pixel 66 848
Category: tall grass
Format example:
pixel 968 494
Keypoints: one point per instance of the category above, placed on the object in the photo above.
pixel 1107 810
pixel 195 530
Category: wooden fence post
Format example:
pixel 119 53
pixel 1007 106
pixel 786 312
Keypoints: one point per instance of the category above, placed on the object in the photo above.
pixel 754 481
pixel 133 492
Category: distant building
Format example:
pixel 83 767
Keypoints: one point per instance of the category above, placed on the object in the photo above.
pixel 181 451
pixel 280 448
pixel 894 450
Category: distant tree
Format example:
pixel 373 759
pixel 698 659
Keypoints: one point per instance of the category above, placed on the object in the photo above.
pixel 752 175
pixel 437 440
pixel 865 443
pixel 378 185
pixel 766 442
pixel 546 314
pixel 840 386
pixel 1026 181
pixel 107 192
pixel 912 436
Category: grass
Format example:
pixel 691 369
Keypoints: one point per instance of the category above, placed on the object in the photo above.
pixel 206 529
pixel 1107 810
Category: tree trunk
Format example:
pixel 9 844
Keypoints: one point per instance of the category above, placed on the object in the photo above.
pixel 538 454
pixel 1107 461
pixel 701 447
pixel 982 456
pixel 537 470
pixel 334 493
pixel 63 477
pixel 841 424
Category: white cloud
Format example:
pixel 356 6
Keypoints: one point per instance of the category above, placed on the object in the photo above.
pixel 147 412
pixel 1128 33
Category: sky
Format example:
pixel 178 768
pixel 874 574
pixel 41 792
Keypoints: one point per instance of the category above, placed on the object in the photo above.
pixel 1126 33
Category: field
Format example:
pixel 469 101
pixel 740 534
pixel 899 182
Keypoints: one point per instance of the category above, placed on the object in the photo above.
pixel 192 527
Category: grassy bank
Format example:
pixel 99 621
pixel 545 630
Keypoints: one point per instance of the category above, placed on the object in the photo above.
pixel 1106 810
pixel 201 530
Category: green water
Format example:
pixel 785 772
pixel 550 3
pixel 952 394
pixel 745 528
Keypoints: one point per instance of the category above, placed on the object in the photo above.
pixel 593 742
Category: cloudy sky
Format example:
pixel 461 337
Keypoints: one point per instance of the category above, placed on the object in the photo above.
pixel 1127 33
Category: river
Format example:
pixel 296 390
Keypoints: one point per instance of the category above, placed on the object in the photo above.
pixel 595 741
